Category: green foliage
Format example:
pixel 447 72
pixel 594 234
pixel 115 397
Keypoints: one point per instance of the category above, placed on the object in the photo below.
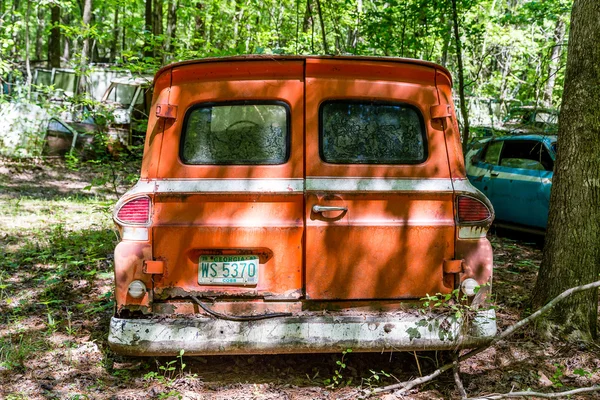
pixel 506 43
pixel 338 378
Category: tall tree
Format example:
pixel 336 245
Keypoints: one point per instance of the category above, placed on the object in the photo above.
pixel 54 38
pixel 148 29
pixel 554 62
pixel 461 79
pixel 85 48
pixel 172 6
pixel 572 252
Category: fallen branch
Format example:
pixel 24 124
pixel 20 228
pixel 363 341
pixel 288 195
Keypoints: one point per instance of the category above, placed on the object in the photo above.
pixel 457 381
pixel 408 385
pixel 594 388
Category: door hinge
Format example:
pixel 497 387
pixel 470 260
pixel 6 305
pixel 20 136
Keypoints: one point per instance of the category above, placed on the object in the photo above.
pixel 166 111
pixel 440 111
pixel 153 267
pixel 453 266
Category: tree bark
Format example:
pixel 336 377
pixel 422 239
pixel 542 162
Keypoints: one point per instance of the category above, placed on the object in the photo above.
pixel 461 80
pixel 157 18
pixel 54 39
pixel 554 62
pixel 572 252
pixel 85 48
pixel 39 37
pixel 115 39
pixel 148 29
pixel 323 33
pixel 27 63
pixel 172 7
pixel 200 32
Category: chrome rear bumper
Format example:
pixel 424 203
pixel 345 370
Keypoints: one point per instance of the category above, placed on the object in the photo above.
pixel 298 334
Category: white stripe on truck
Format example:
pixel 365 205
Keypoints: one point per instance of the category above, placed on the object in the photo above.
pixel 277 185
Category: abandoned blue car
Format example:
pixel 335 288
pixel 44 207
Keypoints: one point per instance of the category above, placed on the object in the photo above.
pixel 515 173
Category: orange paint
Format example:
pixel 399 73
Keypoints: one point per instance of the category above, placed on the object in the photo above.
pixel 394 227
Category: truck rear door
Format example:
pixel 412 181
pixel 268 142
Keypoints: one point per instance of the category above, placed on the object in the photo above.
pixel 379 199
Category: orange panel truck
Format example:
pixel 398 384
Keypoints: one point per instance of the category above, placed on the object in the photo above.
pixel 293 204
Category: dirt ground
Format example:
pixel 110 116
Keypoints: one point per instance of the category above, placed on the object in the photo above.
pixel 56 243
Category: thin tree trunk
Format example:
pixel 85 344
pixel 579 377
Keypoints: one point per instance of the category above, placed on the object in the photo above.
pixel 572 252
pixel 172 7
pixel 553 64
pixel 15 35
pixel 27 62
pixel 148 29
pixel 461 80
pixel 115 39
pixel 54 39
pixel 85 48
pixel 157 18
pixel 323 32
pixel 200 32
pixel 353 33
pixel 39 37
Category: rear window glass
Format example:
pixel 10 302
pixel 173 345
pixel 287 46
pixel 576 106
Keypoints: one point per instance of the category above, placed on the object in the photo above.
pixel 236 134
pixel 371 133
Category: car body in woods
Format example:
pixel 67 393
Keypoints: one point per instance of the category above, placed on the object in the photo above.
pixel 294 204
pixel 515 172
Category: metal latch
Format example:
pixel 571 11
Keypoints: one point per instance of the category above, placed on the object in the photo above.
pixel 166 111
pixel 153 267
pixel 453 266
pixel 440 111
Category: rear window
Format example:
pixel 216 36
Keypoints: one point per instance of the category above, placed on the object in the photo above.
pixel 236 134
pixel 355 132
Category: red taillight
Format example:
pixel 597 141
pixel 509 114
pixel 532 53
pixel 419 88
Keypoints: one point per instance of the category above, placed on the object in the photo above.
pixel 136 211
pixel 472 210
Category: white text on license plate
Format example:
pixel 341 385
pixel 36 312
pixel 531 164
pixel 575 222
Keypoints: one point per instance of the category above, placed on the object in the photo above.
pixel 228 270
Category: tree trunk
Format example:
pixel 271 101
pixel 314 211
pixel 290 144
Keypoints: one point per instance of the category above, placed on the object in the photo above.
pixel 199 33
pixel 172 7
pixel 157 18
pixel 461 80
pixel 85 48
pixel 323 33
pixel 15 33
pixel 39 37
pixel 115 39
pixel 553 64
pixel 54 39
pixel 572 252
pixel 148 29
pixel 27 63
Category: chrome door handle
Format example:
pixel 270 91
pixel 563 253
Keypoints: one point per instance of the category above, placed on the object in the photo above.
pixel 319 209
pixel 494 173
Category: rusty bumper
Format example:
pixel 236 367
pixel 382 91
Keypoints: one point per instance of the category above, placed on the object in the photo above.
pixel 298 334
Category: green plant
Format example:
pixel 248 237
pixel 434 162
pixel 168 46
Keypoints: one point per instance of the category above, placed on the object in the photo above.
pixel 583 373
pixel 558 374
pixel 170 394
pixel 375 378
pixel 337 378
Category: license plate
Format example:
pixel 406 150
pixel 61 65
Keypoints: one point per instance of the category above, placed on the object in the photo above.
pixel 228 270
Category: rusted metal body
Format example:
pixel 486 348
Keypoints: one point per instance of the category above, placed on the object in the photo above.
pixel 357 240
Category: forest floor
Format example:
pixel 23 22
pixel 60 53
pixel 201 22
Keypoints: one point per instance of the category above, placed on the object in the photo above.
pixel 56 244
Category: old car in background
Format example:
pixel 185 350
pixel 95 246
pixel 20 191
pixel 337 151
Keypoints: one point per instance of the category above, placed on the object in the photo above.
pixel 300 204
pixel 127 99
pixel 121 103
pixel 515 173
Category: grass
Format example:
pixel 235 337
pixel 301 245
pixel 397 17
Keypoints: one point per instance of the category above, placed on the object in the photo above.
pixel 56 287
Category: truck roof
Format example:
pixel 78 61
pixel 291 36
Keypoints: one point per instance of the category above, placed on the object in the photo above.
pixel 350 59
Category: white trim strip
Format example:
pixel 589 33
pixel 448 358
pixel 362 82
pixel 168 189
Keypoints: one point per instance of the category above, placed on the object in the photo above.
pixel 378 185
pixel 230 186
pixel 277 185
